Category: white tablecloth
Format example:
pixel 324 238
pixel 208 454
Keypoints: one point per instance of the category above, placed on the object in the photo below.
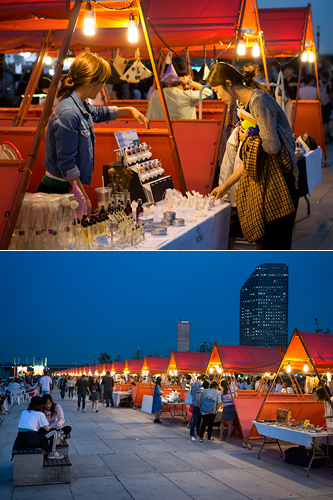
pixel 118 395
pixel 290 435
pixel 313 168
pixel 208 233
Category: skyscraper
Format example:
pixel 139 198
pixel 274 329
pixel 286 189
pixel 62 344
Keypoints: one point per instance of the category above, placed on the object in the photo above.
pixel 183 335
pixel 264 307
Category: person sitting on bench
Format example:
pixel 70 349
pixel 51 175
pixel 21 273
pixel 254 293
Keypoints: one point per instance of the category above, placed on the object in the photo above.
pixel 34 430
pixel 55 416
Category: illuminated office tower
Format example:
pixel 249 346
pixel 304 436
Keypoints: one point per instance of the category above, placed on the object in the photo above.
pixel 264 307
pixel 183 335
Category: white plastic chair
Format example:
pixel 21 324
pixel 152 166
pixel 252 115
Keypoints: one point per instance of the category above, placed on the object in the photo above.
pixel 16 396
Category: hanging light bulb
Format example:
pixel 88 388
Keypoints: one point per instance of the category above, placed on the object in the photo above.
pixel 304 56
pixel 311 57
pixel 241 48
pixel 89 21
pixel 305 367
pixel 48 60
pixel 288 368
pixel 256 49
pixel 211 369
pixel 132 30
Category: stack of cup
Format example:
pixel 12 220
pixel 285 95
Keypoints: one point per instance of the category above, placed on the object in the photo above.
pixel 168 217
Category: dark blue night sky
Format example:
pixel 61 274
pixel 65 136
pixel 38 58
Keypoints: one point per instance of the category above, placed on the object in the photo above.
pixel 71 306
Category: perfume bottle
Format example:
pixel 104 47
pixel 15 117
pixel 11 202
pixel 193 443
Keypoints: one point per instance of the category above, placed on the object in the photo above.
pixel 139 209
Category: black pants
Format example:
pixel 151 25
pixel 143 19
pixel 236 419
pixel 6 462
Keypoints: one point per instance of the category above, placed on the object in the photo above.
pixel 278 234
pixel 62 392
pixel 83 398
pixel 207 420
pixel 108 396
pixel 43 188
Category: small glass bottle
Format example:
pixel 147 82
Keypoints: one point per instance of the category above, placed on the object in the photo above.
pixel 139 209
pixel 84 234
pixel 100 227
pixel 128 209
pixel 91 236
pixel 102 210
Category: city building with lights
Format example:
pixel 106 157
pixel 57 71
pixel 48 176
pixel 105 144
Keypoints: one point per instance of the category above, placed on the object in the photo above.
pixel 264 307
pixel 183 335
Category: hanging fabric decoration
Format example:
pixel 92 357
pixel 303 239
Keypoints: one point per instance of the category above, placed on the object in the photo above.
pixel 137 71
pixel 168 59
pixel 204 69
pixel 170 77
pixel 119 64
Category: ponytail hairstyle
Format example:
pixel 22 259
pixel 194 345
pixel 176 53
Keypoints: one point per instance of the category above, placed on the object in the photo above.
pixel 224 385
pixel 221 72
pixel 85 69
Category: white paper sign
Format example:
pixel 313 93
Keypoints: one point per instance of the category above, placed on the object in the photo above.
pixel 127 138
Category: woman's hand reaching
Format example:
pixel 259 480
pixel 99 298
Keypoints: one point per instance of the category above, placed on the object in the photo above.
pixel 140 118
pixel 219 191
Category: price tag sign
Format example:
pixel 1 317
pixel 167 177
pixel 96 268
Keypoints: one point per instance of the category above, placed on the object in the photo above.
pixel 102 240
pixel 127 138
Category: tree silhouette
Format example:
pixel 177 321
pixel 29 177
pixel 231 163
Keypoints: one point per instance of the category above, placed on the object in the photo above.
pixel 104 358
pixel 320 330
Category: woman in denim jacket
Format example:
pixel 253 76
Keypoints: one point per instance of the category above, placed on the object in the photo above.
pixel 70 137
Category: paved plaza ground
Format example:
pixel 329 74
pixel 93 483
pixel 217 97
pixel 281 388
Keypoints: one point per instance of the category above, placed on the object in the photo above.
pixel 120 454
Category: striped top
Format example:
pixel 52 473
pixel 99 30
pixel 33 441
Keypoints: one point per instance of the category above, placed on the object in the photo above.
pixel 227 399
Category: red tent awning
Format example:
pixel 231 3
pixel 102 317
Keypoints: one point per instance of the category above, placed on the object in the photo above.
pixel 283 29
pixel 248 359
pixel 155 364
pixel 34 9
pixel 319 346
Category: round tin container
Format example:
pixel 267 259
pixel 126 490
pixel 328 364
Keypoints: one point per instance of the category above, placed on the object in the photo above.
pixel 157 223
pixel 178 222
pixel 167 222
pixel 169 215
pixel 158 231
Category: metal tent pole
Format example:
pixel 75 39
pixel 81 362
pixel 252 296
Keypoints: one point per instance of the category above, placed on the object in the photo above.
pixel 181 184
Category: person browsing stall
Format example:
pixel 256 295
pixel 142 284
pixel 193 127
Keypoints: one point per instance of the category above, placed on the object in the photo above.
pixel 267 194
pixel 70 136
pixel 180 102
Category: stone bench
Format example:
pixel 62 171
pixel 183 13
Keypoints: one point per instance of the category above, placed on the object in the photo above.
pixel 32 467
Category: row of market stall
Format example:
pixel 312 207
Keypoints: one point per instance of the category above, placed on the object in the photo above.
pixel 190 150
pixel 308 355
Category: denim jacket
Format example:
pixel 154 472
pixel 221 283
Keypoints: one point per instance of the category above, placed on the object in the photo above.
pixel 70 137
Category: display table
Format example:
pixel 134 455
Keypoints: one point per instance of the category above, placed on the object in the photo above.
pixel 302 438
pixel 119 395
pixel 309 167
pixel 206 233
pixel 175 410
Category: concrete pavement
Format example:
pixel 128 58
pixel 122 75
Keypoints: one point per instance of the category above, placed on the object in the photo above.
pixel 119 453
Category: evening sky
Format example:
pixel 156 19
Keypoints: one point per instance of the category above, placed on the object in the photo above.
pixel 71 306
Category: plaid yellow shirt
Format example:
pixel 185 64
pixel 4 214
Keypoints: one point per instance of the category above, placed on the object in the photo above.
pixel 262 194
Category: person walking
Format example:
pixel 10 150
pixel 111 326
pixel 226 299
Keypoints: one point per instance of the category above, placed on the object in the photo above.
pixel 62 386
pixel 81 388
pixel 157 400
pixel 45 383
pixel 208 404
pixel 94 389
pixel 70 387
pixel 108 383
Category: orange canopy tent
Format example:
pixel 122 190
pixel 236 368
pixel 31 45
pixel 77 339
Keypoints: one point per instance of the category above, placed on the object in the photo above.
pixel 133 366
pixel 226 359
pixel 182 363
pixel 117 367
pixel 154 365
pixel 100 368
pixel 306 354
